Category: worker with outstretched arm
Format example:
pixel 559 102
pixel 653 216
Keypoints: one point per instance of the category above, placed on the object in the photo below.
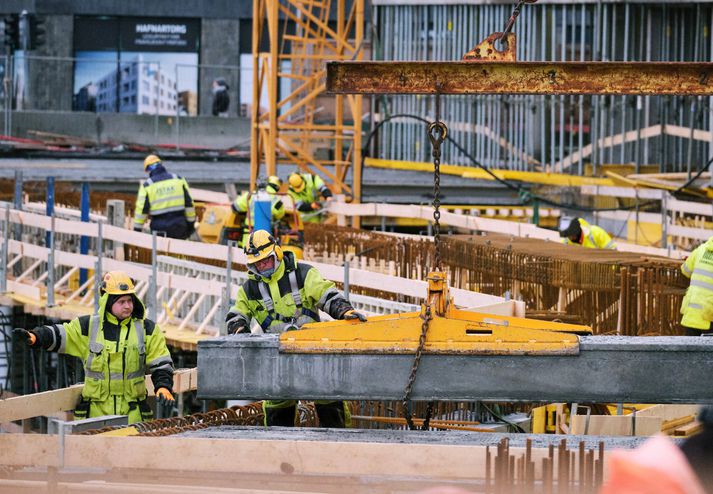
pixel 308 192
pixel 697 305
pixel 282 294
pixel 117 346
pixel 577 231
pixel 166 199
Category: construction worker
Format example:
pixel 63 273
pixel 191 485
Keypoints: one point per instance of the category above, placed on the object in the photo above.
pixel 117 346
pixel 245 201
pixel 697 306
pixel 282 294
pixel 166 199
pixel 578 231
pixel 308 191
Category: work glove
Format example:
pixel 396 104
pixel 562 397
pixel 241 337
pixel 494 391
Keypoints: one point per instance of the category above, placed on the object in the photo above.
pixel 139 229
pixel 165 397
pixel 352 314
pixel 316 206
pixel 25 336
pixel 278 205
pixel 235 324
pixel 191 227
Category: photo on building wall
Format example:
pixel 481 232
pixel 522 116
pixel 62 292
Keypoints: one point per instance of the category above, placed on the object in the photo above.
pixel 136 65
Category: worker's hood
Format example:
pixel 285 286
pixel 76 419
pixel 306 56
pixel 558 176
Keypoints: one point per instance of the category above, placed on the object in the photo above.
pixel 139 308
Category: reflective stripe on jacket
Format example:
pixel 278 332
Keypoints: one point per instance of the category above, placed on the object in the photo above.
pixel 115 370
pixel 291 297
pixel 697 306
pixel 162 194
pixel 594 237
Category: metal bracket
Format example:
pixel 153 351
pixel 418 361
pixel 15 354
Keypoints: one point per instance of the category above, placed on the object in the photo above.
pixel 487 51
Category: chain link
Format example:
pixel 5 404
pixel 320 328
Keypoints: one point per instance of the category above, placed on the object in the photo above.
pixel 426 316
pixel 437 132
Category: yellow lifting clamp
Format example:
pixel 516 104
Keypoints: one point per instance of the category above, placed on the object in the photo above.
pixel 451 331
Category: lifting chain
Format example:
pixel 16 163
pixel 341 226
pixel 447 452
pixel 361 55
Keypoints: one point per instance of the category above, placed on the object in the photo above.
pixel 426 316
pixel 513 17
pixel 437 132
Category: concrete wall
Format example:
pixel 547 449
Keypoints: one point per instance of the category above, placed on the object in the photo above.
pixel 211 132
pixel 220 45
pixel 51 80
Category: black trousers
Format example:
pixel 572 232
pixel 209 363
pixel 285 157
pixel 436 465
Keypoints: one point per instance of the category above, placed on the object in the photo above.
pixel 330 415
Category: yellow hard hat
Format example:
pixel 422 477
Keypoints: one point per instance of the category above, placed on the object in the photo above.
pixel 117 283
pixel 151 159
pixel 261 245
pixel 274 183
pixel 297 183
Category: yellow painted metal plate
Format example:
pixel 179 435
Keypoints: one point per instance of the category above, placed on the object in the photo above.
pixel 462 332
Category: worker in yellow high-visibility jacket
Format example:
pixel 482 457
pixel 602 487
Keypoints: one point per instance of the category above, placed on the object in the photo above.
pixel 578 231
pixel 244 203
pixel 697 306
pixel 308 192
pixel 166 199
pixel 118 345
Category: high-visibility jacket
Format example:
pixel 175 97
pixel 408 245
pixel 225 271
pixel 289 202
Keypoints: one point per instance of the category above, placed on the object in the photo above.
pixel 697 306
pixel 244 203
pixel 315 190
pixel 114 365
pixel 166 199
pixel 291 297
pixel 594 237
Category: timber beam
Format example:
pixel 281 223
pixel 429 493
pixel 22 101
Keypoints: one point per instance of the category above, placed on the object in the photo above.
pixel 607 369
pixel 466 77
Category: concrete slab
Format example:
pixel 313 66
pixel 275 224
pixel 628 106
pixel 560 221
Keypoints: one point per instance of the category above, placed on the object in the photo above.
pixel 607 369
pixel 409 437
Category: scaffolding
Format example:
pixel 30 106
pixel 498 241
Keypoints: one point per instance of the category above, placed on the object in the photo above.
pixel 297 123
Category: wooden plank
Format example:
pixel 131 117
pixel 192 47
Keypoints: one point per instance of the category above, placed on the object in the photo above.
pixel 40 404
pixel 29 291
pixel 703 209
pixel 615 425
pixel 627 192
pixel 65 399
pixel 272 457
pixel 688 429
pixel 211 196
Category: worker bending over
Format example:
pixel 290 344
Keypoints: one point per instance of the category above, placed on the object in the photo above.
pixel 282 294
pixel 697 306
pixel 166 199
pixel 245 203
pixel 117 346
pixel 308 191
pixel 578 231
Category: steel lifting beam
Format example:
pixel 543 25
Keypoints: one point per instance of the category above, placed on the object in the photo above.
pixel 476 77
pixel 607 369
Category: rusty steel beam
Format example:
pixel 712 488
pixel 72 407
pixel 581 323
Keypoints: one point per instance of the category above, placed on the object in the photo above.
pixel 470 77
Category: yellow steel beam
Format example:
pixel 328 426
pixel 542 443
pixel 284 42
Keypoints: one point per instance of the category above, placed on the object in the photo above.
pixel 558 179
pixel 461 332
pixel 472 77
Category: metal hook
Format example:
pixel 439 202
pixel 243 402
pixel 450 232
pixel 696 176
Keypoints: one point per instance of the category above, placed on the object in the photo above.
pixel 437 132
